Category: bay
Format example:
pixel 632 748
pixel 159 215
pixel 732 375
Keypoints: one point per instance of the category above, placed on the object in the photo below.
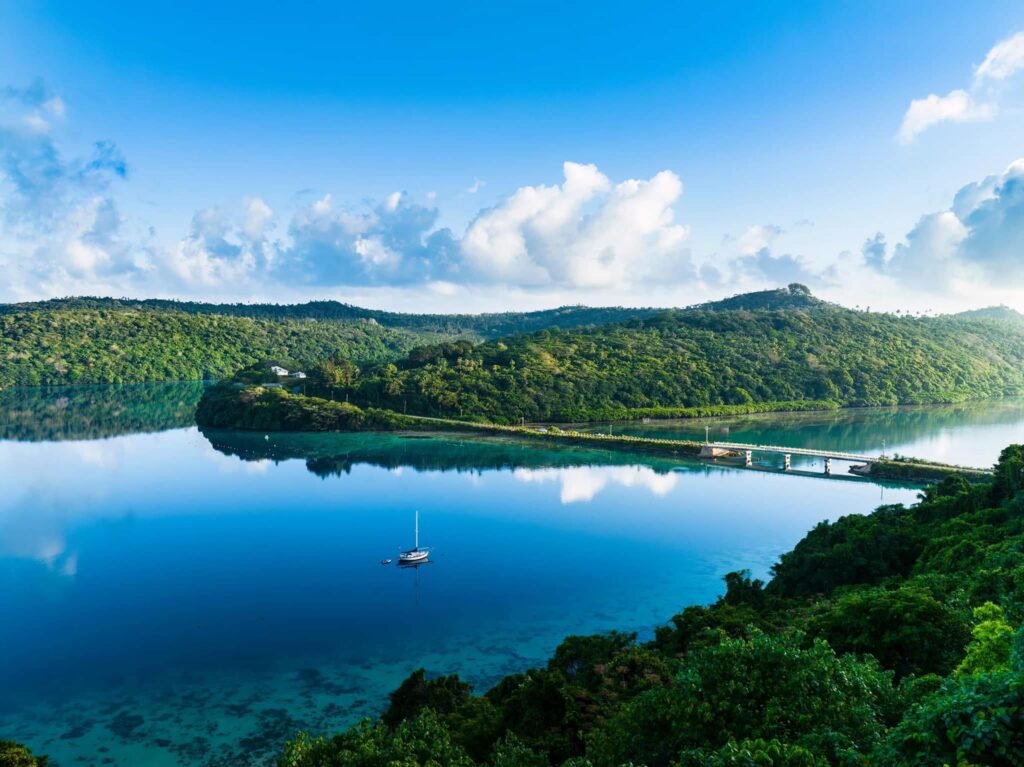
pixel 173 597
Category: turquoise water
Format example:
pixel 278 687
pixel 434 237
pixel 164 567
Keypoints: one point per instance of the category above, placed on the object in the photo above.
pixel 175 598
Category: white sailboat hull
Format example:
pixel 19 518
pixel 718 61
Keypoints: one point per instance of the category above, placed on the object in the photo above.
pixel 413 556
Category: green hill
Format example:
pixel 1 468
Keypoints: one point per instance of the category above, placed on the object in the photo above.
pixel 490 325
pixel 61 346
pixel 997 313
pixel 560 364
pixel 699 357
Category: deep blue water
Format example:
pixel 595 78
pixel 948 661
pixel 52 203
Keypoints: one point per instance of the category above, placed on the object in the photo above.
pixel 174 598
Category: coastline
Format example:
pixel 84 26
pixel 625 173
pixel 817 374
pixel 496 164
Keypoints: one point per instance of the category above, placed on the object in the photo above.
pixel 261 408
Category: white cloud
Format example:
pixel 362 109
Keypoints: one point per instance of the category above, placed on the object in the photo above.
pixel 1004 60
pixel 957 106
pixel 979 239
pixel 929 253
pixel 257 216
pixel 977 105
pixel 750 262
pixel 476 186
pixel 757 238
pixel 587 232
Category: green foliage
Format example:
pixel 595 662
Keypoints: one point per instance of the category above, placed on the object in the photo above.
pixel 512 752
pixel 853 549
pixel 764 687
pixel 16 755
pixel 972 720
pixel 705 357
pixel 567 364
pixel 992 642
pixel 443 695
pixel 419 742
pixel 478 325
pixel 101 346
pixel 752 753
pixel 236 406
pixel 906 629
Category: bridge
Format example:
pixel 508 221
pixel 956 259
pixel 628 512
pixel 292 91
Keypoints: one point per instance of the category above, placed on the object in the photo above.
pixel 719 449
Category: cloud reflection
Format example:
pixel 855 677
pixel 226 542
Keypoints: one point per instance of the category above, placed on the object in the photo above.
pixel 584 483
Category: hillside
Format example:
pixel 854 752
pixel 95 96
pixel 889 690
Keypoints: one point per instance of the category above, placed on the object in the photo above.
pixel 700 357
pixel 563 364
pixel 52 347
pixel 475 325
pixel 996 313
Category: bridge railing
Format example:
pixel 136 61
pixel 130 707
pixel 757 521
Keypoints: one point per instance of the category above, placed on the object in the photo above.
pixel 834 454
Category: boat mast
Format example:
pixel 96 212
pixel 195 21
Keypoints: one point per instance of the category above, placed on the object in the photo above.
pixel 417 528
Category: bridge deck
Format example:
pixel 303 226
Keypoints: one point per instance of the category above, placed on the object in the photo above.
pixel 834 454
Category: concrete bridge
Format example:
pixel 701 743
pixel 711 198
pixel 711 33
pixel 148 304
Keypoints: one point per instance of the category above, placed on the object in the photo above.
pixel 722 449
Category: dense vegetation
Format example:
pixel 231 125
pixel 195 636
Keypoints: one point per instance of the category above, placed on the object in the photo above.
pixel 101 346
pixel 236 406
pixel 573 363
pixel 16 755
pixel 890 639
pixel 474 325
pixel 697 358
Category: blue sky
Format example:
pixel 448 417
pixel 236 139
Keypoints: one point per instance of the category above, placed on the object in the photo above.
pixel 413 155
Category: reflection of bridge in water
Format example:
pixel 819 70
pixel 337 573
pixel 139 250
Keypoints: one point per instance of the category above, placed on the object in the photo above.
pixel 725 449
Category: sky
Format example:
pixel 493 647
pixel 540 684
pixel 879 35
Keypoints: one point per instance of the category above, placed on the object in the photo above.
pixel 487 157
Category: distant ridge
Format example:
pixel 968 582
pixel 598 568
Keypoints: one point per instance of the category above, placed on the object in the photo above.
pixel 1000 313
pixel 489 325
pixel 768 346
pixel 794 296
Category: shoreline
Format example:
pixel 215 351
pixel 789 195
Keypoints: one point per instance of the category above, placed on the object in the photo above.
pixel 259 408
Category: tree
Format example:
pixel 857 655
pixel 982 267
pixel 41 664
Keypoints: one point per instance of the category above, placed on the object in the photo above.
pixel 16 755
pixel 422 741
pixel 764 687
pixel 906 629
pixel 992 642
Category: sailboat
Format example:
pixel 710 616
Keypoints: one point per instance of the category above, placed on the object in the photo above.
pixel 417 553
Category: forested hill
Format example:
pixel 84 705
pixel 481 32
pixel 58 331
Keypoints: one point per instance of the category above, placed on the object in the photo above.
pixel 567 363
pixel 491 325
pixel 699 357
pixel 995 313
pixel 63 346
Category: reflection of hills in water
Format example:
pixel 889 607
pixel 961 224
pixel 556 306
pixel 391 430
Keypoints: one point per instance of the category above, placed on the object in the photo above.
pixel 335 454
pixel 852 430
pixel 92 412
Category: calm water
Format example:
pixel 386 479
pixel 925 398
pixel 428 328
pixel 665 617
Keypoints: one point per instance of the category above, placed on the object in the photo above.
pixel 170 597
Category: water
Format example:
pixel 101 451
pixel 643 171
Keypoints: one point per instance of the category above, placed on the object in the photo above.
pixel 175 598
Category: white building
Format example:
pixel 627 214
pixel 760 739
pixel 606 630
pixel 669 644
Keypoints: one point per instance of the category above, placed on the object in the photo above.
pixel 278 370
pixel 298 374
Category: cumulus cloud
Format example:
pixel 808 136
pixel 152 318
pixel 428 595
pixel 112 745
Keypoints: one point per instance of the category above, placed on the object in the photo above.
pixel 61 230
pixel 586 232
pixel 957 106
pixel 874 251
pixel 979 238
pixel 395 242
pixel 59 223
pixel 1004 60
pixel 754 260
pixel 979 104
